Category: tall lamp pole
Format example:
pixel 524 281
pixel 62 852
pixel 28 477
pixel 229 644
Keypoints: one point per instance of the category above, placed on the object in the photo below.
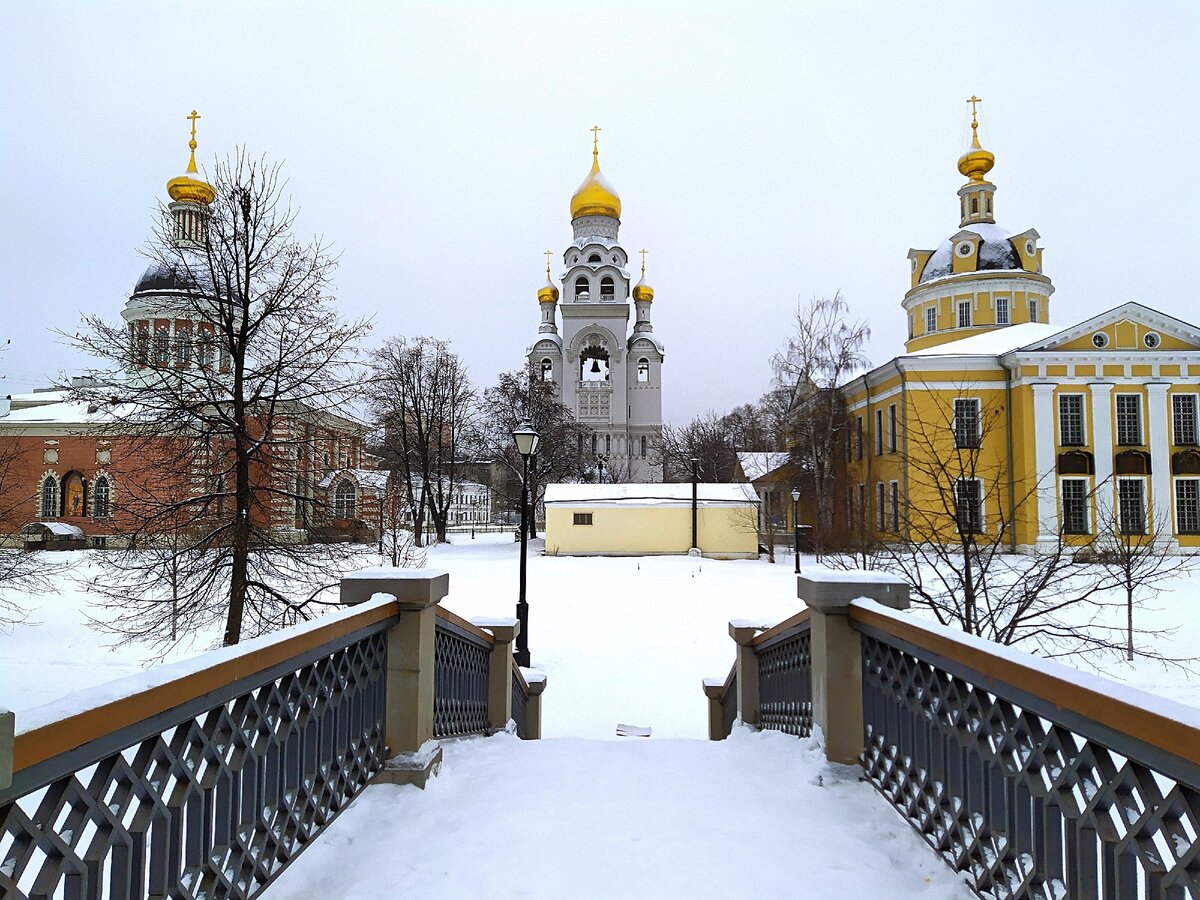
pixel 695 479
pixel 796 526
pixel 527 441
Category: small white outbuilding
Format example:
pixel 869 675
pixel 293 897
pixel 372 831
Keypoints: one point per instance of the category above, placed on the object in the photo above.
pixel 651 519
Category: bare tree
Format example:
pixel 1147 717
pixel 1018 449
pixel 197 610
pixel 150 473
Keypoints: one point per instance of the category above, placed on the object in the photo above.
pixel 952 546
pixel 223 423
pixel 823 352
pixel 710 439
pixel 21 571
pixel 1131 548
pixel 565 451
pixel 420 396
pixel 397 544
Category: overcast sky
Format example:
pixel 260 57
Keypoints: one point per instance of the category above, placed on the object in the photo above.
pixel 763 154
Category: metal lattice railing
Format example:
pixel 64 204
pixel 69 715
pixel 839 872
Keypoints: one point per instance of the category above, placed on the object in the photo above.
pixel 1031 799
pixel 520 697
pixel 210 799
pixel 460 700
pixel 785 681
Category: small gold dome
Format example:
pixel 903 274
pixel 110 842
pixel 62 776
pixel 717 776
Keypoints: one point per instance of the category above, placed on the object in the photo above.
pixel 187 188
pixel 595 196
pixel 643 291
pixel 976 162
pixel 548 293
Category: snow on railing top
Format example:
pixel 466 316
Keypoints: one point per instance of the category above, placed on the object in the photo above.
pixel 224 664
pixel 1108 702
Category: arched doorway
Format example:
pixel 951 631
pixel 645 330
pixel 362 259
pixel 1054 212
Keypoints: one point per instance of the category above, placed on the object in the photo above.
pixel 73 498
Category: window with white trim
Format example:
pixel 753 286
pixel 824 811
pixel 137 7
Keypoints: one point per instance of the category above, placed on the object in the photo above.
pixel 1129 420
pixel 880 509
pixel 1187 505
pixel 1131 505
pixel 968 505
pixel 1075 506
pixel 49 498
pixel 966 423
pixel 895 505
pixel 879 432
pixel 1183 419
pixel 930 319
pixel 101 497
pixel 964 313
pixel 1071 431
pixel 1002 311
pixel 1033 310
pixel 344 499
pixel 892 428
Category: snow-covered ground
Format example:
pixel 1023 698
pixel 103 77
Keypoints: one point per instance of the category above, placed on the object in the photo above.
pixel 758 815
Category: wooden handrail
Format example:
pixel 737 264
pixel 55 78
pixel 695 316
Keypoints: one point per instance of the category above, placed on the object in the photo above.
pixel 798 619
pixel 520 676
pixel 1147 726
pixel 443 613
pixel 63 735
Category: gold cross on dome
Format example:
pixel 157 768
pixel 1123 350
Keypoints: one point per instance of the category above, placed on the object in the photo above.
pixel 643 251
pixel 548 254
pixel 595 130
pixel 193 117
pixel 973 100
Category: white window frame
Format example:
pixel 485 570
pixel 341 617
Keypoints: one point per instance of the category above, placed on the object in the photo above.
pixel 1141 424
pixel 892 428
pixel 1195 398
pixel 1175 502
pixel 931 318
pixel 982 529
pixel 1083 442
pixel 1033 309
pixel 880 501
pixel 894 500
pixel 879 432
pixel 963 306
pixel 1087 504
pixel 1140 479
pixel 978 423
pixel 1007 318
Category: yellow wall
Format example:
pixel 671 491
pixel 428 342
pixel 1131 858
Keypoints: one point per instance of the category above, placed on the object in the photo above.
pixel 723 532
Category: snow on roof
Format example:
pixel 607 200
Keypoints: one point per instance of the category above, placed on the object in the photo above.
pixel 368 478
pixel 62 529
pixel 756 464
pixel 649 494
pixel 60 413
pixel 993 343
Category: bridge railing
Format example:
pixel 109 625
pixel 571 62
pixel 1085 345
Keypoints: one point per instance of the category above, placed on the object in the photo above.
pixel 1034 779
pixel 208 776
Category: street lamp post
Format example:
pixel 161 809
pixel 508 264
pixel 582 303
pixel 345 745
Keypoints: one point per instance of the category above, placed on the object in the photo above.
pixel 695 479
pixel 527 441
pixel 796 526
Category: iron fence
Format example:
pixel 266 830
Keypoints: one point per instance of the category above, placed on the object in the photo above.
pixel 211 798
pixel 1032 799
pixel 520 697
pixel 785 680
pixel 460 700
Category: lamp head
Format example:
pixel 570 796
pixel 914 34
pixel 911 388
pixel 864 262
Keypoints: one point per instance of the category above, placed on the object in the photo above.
pixel 796 494
pixel 527 440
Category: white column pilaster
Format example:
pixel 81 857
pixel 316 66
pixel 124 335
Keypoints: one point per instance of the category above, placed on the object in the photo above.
pixel 1047 482
pixel 1102 446
pixel 1160 459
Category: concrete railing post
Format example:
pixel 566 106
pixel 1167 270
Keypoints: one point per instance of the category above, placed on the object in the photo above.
pixel 713 687
pixel 408 727
pixel 533 706
pixel 747 670
pixel 8 727
pixel 837 651
pixel 504 632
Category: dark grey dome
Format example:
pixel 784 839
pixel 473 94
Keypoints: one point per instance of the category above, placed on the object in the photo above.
pixel 162 278
pixel 996 252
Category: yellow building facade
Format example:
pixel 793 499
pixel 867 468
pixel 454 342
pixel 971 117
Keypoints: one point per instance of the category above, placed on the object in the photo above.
pixel 998 424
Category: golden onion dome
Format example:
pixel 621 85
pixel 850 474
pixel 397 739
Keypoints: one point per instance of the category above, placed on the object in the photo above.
pixel 188 188
pixel 548 293
pixel 643 291
pixel 595 197
pixel 976 162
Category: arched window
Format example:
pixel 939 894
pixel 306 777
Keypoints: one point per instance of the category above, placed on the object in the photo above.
pixel 581 288
pixel 101 503
pixel 607 289
pixel 344 499
pixel 547 370
pixel 49 505
pixel 73 494
pixel 204 352
pixel 643 369
pixel 162 346
pixel 183 348
pixel 594 258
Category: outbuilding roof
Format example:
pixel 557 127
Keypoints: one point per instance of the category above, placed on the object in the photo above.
pixel 668 494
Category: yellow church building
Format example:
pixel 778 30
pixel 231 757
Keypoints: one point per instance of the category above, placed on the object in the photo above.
pixel 998 424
